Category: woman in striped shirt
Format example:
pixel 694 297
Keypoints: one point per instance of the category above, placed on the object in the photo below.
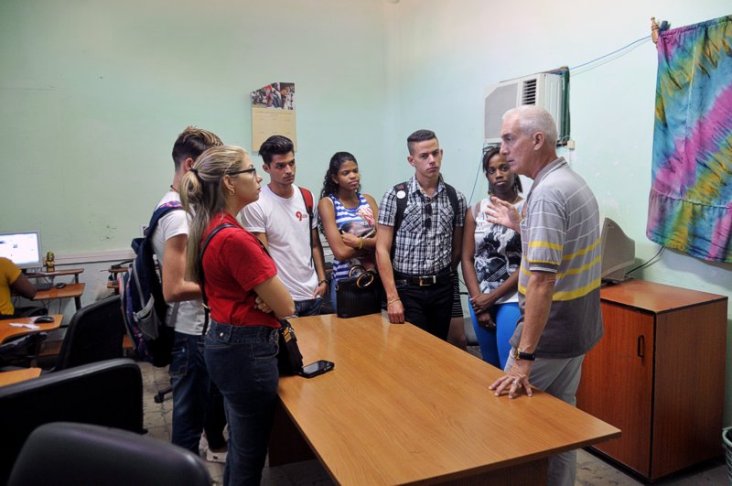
pixel 347 218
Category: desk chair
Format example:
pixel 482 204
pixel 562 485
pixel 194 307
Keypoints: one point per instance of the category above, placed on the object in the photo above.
pixel 30 311
pixel 95 333
pixel 21 352
pixel 69 454
pixel 105 393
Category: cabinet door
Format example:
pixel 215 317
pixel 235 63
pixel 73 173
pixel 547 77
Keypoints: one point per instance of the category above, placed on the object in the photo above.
pixel 617 383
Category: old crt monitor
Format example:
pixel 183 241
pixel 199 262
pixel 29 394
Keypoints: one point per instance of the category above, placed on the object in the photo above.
pixel 618 252
pixel 23 249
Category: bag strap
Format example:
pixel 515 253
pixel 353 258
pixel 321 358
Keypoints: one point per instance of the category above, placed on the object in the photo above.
pixel 206 310
pixel 307 198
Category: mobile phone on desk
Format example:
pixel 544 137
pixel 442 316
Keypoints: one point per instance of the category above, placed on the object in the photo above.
pixel 317 368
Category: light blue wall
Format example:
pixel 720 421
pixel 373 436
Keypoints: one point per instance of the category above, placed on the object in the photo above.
pixel 92 95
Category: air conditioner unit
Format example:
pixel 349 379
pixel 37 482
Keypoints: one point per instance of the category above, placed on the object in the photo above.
pixel 544 89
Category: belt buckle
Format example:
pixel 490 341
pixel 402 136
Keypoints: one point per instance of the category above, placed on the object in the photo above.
pixel 427 281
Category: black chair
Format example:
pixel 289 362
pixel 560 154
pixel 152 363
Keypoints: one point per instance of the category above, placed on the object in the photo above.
pixel 94 334
pixel 21 352
pixel 30 311
pixel 106 393
pixel 70 454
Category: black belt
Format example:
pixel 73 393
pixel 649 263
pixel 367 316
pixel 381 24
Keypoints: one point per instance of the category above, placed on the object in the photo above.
pixel 423 280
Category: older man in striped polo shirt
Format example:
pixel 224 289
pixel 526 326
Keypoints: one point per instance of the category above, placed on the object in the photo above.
pixel 559 280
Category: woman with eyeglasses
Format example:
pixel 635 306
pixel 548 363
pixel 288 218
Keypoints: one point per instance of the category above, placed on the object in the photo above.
pixel 240 285
pixel 490 261
pixel 348 219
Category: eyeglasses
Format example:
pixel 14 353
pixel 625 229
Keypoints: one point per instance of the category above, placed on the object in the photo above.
pixel 428 219
pixel 251 170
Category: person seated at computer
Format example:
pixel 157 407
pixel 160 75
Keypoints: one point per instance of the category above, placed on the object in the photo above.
pixel 490 260
pixel 12 279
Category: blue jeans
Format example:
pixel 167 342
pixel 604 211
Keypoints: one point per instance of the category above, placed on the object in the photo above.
pixel 494 345
pixel 242 362
pixel 310 307
pixel 195 406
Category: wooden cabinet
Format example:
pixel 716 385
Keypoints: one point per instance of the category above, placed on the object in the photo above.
pixel 658 375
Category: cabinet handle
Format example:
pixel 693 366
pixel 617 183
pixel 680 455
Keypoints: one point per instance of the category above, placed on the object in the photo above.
pixel 641 347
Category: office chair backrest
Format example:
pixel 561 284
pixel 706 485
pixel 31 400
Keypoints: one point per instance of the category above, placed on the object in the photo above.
pixel 104 393
pixel 21 351
pixel 70 454
pixel 95 334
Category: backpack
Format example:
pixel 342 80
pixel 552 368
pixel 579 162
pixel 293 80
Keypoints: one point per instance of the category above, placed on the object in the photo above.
pixel 143 305
pixel 402 206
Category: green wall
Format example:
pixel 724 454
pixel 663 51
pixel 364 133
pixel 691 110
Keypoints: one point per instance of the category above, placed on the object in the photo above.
pixel 93 95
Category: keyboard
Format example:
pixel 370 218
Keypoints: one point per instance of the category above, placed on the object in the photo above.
pixel 44 285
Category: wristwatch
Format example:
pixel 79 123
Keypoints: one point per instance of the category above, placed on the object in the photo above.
pixel 519 355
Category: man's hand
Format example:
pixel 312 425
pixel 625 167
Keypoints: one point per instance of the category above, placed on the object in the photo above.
pixel 320 290
pixel 503 213
pixel 514 381
pixel 395 308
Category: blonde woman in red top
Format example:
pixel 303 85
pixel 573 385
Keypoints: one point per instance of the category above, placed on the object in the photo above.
pixel 245 297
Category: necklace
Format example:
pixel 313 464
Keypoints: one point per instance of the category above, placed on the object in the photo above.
pixel 173 188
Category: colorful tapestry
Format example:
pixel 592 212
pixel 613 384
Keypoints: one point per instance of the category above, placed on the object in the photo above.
pixel 690 206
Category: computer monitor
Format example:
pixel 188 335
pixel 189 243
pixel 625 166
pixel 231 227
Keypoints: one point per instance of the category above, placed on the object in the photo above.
pixel 618 252
pixel 23 249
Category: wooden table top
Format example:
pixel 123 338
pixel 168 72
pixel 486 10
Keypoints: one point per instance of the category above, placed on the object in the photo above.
pixel 16 376
pixel 403 406
pixel 655 297
pixel 7 331
pixel 70 290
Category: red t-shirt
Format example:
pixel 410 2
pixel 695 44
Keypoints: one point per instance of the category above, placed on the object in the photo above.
pixel 234 263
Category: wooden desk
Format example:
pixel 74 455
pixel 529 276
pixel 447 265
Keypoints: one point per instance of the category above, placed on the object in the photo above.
pixel 16 376
pixel 7 331
pixel 58 273
pixel 402 406
pixel 70 291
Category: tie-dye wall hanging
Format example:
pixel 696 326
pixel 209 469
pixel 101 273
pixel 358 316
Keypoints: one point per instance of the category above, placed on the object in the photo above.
pixel 690 207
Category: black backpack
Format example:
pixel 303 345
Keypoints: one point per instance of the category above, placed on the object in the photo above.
pixel 143 305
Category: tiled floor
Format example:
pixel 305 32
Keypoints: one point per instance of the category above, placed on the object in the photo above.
pixel 591 471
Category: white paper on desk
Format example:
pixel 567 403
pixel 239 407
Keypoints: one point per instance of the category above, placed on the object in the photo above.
pixel 22 324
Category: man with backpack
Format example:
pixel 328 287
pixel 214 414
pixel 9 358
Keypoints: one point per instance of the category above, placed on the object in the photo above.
pixel 419 240
pixel 197 405
pixel 283 221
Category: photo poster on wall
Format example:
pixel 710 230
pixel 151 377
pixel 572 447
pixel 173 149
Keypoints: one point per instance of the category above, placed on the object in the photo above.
pixel 273 112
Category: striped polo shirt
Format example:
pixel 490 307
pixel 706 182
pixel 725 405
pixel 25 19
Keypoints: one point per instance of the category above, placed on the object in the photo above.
pixel 560 233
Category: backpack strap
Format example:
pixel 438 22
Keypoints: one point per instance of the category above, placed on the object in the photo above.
pixel 452 197
pixel 206 310
pixel 401 206
pixel 307 198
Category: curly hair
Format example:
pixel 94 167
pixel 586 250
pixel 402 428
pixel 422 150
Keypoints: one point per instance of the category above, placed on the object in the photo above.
pixel 338 159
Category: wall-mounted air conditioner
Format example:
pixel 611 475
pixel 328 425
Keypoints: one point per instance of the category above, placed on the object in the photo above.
pixel 543 89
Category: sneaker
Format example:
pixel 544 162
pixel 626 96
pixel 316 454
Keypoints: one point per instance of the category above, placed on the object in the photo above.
pixel 214 456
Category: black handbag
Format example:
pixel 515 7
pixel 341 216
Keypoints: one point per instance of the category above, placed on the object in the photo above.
pixel 359 294
pixel 289 358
